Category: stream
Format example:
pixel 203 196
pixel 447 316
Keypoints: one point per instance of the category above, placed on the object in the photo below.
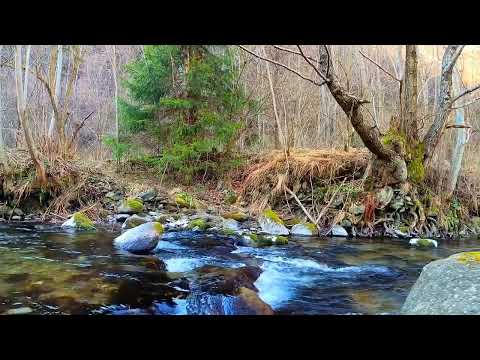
pixel 45 269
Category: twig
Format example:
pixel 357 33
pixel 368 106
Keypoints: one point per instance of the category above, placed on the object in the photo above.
pixel 380 67
pixel 466 104
pixel 292 52
pixel 311 64
pixel 282 65
pixel 324 210
pixel 468 91
pixel 302 207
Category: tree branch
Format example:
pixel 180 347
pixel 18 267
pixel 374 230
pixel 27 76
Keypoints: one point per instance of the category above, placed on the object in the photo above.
pixel 281 65
pixel 466 92
pixel 311 64
pixel 292 52
pixel 380 67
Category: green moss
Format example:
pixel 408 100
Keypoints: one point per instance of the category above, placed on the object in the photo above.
pixel 228 232
pixel 415 166
pixel 281 240
pixel 424 243
pixel 184 199
pixel 158 227
pixel 201 224
pixel 404 228
pixel 472 257
pixel 311 227
pixel 134 204
pixel 231 197
pixel 272 215
pixel 82 221
pixel 293 221
pixel 254 237
pixel 394 137
pixel 236 215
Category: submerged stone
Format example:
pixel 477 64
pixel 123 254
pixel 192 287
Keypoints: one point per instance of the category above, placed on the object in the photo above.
pixel 423 243
pixel 142 238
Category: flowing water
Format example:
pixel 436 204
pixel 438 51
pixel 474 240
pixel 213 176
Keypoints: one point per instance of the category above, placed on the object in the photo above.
pixel 47 270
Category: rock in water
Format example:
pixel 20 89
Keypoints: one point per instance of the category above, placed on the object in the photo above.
pixel 423 243
pixel 79 221
pixel 236 215
pixel 131 206
pixel 134 221
pixel 140 239
pixel 271 223
pixel 449 286
pixel 338 230
pixel 304 229
pixel 230 224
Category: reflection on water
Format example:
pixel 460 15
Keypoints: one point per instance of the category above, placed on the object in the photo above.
pixel 47 270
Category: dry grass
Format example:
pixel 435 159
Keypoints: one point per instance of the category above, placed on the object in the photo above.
pixel 270 173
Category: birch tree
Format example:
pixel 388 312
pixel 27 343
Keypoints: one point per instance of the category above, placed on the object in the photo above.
pixel 22 113
pixel 57 84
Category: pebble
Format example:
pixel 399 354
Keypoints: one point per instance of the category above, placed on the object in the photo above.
pixel 20 311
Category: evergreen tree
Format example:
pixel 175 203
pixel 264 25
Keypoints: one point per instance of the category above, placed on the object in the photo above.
pixel 189 99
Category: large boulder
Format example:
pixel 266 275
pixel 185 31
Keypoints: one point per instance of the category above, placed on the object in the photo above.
pixel 271 223
pixel 140 239
pixel 449 286
pixel 131 206
pixel 304 229
pixel 79 221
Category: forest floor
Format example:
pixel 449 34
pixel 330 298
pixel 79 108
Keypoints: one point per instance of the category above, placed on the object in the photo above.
pixel 324 187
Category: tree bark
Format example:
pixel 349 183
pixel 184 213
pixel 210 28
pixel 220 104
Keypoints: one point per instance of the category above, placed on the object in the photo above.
pixel 58 87
pixel 365 127
pixel 444 101
pixel 21 107
pixel 460 141
pixel 3 158
pixel 409 125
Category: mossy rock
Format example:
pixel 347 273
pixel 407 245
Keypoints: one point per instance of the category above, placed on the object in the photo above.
pixel 79 221
pixel 236 215
pixel 281 240
pixel 185 200
pixel 472 257
pixel 293 221
pixel 272 215
pixel 131 206
pixel 228 232
pixel 265 240
pixel 82 221
pixel 200 224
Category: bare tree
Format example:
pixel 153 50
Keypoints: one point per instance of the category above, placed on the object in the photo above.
pixel 409 125
pixel 22 114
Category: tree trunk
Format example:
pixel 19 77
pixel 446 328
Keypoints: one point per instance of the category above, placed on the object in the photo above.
pixel 365 127
pixel 3 158
pixel 409 125
pixel 444 102
pixel 58 87
pixel 460 141
pixel 280 136
pixel 21 107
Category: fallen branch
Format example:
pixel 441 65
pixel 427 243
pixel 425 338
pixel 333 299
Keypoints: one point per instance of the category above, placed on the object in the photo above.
pixel 302 207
